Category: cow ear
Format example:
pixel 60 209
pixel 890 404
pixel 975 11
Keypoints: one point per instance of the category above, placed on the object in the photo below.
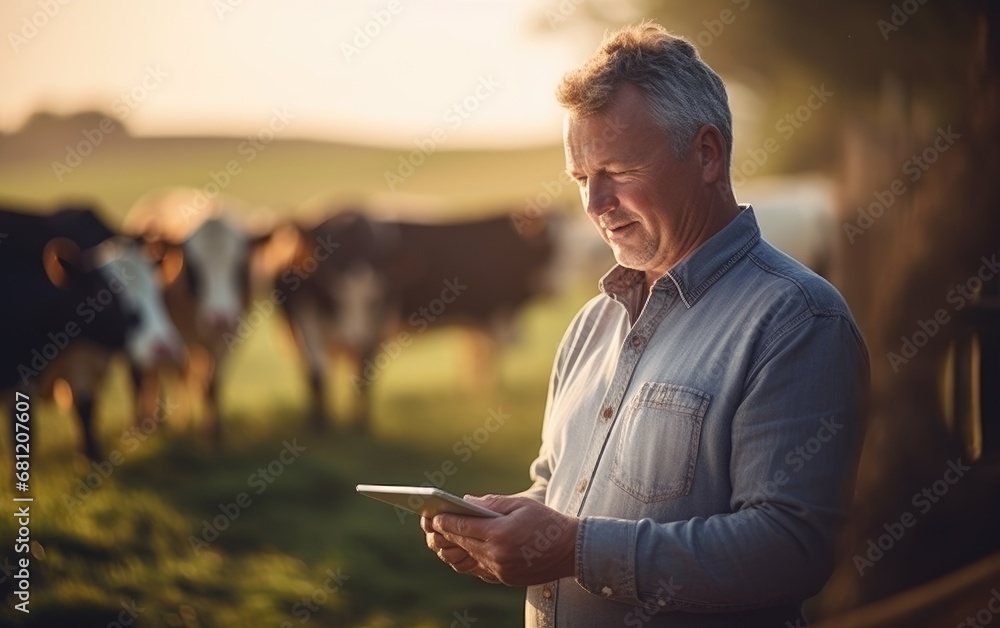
pixel 62 260
pixel 277 250
pixel 168 256
pixel 171 264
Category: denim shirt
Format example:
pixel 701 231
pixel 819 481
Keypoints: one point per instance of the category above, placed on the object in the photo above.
pixel 707 439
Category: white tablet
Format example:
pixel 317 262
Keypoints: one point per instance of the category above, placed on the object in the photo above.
pixel 424 500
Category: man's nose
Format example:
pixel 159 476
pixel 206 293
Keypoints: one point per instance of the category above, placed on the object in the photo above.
pixel 600 198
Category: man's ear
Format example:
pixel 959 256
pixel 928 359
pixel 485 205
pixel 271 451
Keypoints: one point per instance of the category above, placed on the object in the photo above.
pixel 712 153
pixel 61 259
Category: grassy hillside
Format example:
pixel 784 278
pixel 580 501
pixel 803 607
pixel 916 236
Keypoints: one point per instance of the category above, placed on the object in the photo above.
pixel 281 174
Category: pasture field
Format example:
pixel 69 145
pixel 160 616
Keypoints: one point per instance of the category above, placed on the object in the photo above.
pixel 305 528
pixel 307 550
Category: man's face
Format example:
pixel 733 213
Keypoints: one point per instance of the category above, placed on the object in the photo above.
pixel 639 194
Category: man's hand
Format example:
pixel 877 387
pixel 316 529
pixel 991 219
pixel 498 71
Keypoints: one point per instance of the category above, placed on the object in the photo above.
pixel 529 544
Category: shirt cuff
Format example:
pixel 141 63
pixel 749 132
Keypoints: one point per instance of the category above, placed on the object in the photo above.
pixel 605 557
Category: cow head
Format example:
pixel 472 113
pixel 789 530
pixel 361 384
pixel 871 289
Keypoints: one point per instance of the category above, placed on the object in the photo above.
pixel 119 297
pixel 348 256
pixel 215 262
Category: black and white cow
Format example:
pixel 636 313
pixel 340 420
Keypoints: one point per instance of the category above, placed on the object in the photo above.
pixel 76 294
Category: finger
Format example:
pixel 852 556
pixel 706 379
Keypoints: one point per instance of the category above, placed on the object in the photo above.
pixel 461 526
pixel 484 574
pixel 437 542
pixel 453 555
pixel 503 504
pixel 466 565
pixel 425 524
pixel 473 546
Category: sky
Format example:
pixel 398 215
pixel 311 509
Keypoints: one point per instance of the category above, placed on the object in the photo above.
pixel 374 72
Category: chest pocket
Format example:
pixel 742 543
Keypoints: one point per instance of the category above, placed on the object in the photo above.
pixel 657 451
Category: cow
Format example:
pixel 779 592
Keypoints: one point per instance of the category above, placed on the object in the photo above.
pixel 405 277
pixel 207 272
pixel 77 295
pixel 335 295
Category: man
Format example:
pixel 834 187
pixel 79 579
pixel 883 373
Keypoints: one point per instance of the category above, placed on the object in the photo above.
pixel 705 411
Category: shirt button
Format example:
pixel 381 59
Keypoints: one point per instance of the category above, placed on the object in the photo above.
pixel 637 341
pixel 608 412
pixel 547 592
pixel 582 486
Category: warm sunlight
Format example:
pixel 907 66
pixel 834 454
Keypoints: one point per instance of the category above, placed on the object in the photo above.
pixel 376 72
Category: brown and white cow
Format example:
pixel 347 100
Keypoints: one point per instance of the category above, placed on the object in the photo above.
pixel 335 295
pixel 207 260
pixel 382 277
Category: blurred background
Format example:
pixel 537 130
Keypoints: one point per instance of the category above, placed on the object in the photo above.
pixel 866 137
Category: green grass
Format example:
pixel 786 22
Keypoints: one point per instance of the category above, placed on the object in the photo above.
pixel 130 538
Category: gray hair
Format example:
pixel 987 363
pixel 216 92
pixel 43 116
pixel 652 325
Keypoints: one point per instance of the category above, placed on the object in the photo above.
pixel 683 92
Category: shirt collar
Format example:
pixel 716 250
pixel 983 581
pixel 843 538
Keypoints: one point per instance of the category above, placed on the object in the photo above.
pixel 696 273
